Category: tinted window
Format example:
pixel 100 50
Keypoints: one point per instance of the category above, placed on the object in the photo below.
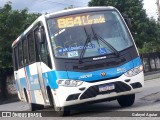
pixel 31 47
pixel 25 51
pixel 69 34
pixel 15 58
pixel 43 50
pixel 20 54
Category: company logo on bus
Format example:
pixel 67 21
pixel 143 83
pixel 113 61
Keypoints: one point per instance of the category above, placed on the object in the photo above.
pixel 103 74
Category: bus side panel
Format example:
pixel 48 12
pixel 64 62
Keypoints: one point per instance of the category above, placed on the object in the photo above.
pixel 17 86
pixel 23 84
pixel 35 89
pixel 50 77
pixel 29 80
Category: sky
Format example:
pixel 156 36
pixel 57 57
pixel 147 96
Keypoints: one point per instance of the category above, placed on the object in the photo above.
pixel 151 8
pixel 48 6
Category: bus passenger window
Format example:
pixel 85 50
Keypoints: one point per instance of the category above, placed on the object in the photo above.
pixel 25 51
pixel 15 58
pixel 20 55
pixel 31 48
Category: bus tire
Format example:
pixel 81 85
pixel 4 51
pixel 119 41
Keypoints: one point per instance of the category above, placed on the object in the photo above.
pixel 60 112
pixel 32 106
pixel 50 97
pixel 126 100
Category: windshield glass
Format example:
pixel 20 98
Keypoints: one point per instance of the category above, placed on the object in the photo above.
pixel 69 33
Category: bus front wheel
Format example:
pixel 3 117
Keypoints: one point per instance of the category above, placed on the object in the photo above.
pixel 126 100
pixel 58 111
pixel 32 106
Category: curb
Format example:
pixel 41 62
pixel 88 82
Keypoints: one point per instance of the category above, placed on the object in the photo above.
pixel 152 76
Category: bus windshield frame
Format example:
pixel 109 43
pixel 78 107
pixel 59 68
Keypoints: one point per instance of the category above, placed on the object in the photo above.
pixel 95 48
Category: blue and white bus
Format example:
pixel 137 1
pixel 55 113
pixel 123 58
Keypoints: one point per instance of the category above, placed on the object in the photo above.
pixel 77 56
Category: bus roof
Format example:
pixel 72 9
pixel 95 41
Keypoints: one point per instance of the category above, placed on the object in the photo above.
pixel 63 13
pixel 78 10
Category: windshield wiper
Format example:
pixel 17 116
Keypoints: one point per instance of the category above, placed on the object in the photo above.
pixel 105 42
pixel 85 46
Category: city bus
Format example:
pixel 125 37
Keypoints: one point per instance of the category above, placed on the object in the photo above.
pixel 77 56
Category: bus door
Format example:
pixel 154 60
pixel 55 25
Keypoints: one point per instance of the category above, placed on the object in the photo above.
pixel 42 83
pixel 42 65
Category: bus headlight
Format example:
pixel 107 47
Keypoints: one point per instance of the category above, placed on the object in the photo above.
pixel 134 71
pixel 69 83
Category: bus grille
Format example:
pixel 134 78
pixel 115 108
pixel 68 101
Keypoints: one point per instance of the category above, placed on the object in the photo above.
pixel 93 91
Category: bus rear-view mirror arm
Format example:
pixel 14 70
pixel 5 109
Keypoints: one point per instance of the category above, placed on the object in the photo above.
pixel 127 20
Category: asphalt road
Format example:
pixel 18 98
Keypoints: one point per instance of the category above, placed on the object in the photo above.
pixel 148 100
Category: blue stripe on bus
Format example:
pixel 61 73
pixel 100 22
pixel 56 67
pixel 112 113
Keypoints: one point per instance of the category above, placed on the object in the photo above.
pixel 16 85
pixel 33 80
pixel 96 75
pixel 23 83
pixel 51 77
pixel 137 62
pixel 33 85
pixel 28 76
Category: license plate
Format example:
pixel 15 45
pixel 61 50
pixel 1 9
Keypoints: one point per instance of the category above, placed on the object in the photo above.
pixel 106 87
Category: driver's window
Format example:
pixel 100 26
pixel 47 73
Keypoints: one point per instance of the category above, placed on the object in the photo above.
pixel 42 48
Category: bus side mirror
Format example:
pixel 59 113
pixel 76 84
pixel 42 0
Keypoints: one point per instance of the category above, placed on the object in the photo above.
pixel 41 35
pixel 127 20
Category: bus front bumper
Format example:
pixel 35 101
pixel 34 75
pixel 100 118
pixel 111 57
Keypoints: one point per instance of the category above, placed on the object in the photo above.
pixel 90 92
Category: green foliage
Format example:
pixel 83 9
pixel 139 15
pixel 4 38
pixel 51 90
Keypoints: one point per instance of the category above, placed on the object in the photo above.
pixel 144 30
pixel 12 23
pixel 154 44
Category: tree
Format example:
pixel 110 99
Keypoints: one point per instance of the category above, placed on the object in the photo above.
pixel 144 30
pixel 12 24
pixel 154 33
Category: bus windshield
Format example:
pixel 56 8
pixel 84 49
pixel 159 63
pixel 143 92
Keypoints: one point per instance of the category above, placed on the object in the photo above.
pixel 68 34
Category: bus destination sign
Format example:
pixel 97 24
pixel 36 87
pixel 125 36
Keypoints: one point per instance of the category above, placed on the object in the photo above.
pixel 80 20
